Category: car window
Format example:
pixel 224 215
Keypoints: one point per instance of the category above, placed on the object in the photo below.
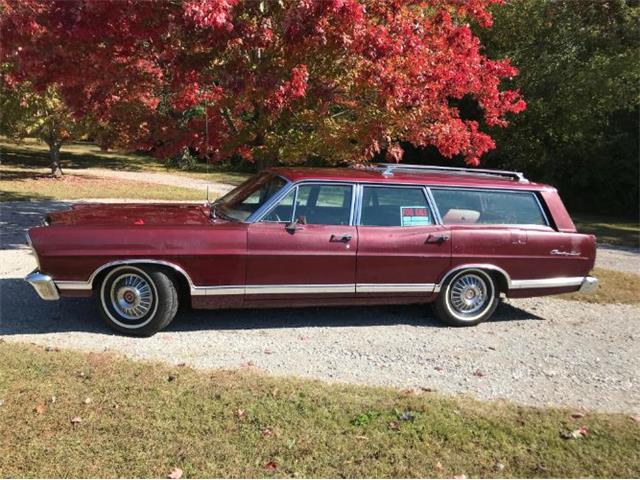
pixel 315 205
pixel 458 206
pixel 245 199
pixel 395 207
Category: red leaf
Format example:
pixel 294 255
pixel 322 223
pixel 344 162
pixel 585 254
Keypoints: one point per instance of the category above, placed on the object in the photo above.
pixel 271 466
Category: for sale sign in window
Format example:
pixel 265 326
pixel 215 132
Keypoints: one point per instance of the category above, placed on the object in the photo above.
pixel 414 216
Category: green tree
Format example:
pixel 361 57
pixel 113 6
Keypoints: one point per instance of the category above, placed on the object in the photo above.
pixel 580 76
pixel 25 113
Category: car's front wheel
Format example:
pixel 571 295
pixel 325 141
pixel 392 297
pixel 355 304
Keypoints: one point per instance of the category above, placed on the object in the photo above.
pixel 137 301
pixel 468 298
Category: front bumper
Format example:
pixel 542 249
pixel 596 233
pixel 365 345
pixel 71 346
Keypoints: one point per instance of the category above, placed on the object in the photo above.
pixel 589 285
pixel 43 285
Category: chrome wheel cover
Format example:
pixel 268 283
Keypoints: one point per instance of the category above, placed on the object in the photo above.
pixel 131 296
pixel 130 299
pixel 469 295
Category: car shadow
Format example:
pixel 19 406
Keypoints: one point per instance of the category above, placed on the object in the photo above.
pixel 23 312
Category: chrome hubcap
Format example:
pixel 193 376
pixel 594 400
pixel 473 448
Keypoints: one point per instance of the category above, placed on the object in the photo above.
pixel 468 294
pixel 131 296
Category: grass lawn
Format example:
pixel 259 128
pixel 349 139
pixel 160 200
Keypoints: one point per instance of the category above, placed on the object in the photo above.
pixel 68 414
pixel 21 185
pixel 621 232
pixel 613 287
pixel 78 156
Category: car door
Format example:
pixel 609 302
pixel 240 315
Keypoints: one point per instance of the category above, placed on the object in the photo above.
pixel 401 249
pixel 313 257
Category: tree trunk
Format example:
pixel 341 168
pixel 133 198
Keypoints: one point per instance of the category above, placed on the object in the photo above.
pixel 54 155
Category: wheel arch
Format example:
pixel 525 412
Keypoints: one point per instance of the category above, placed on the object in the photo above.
pixel 185 283
pixel 499 275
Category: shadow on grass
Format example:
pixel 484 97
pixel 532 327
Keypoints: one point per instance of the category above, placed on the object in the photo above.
pixel 30 156
pixel 23 312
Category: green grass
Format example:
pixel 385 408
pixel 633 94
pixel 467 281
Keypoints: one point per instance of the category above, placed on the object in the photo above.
pixel 620 232
pixel 613 287
pixel 144 419
pixel 20 185
pixel 32 154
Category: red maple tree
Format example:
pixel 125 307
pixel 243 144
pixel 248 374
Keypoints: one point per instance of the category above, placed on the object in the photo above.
pixel 273 81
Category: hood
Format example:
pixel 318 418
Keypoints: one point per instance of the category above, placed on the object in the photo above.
pixel 120 214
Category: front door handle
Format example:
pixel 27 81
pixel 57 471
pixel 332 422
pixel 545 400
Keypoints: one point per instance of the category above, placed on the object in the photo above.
pixel 437 238
pixel 340 238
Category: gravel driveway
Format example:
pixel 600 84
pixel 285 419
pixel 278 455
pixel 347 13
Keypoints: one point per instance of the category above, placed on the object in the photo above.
pixel 536 351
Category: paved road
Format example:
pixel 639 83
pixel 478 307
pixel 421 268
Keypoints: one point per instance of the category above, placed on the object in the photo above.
pixel 536 351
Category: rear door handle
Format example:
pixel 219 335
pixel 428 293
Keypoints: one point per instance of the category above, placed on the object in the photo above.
pixel 437 238
pixel 340 238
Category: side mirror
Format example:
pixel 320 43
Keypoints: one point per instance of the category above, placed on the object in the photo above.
pixel 295 224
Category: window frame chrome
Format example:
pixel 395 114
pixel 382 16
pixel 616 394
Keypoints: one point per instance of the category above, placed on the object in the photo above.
pixel 435 215
pixel 262 212
pixel 495 190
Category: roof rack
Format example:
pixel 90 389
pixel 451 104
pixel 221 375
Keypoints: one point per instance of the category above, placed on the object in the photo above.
pixel 389 168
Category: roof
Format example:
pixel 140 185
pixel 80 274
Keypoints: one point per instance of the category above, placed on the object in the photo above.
pixel 406 177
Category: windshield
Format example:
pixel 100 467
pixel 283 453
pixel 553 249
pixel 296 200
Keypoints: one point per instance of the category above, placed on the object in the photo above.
pixel 248 197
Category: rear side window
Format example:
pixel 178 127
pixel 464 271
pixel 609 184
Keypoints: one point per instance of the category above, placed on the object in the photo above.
pixel 394 207
pixel 458 207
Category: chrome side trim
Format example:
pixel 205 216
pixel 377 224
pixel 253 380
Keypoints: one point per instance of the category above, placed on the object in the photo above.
pixel 221 290
pixel 33 250
pixel 395 287
pixel 64 285
pixel 547 283
pixel 43 285
pixel 312 288
pixel 473 266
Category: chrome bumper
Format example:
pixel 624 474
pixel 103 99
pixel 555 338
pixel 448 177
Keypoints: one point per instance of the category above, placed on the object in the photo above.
pixel 43 285
pixel 589 285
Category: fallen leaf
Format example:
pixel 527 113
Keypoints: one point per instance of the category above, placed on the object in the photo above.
pixel 437 369
pixel 182 364
pixel 361 437
pixel 1 402
pixel 635 418
pixel 271 466
pixel 406 416
pixel 275 392
pixel 51 349
pixel 439 466
pixel 394 425
pixel 87 401
pixel 427 389
pixel 39 408
pixel 491 348
pixel 53 399
pixel 267 432
pixel 240 413
pixel 460 477
pixel 268 351
pixel 75 421
pixel 171 378
pixel 577 415
pixel 247 364
pixel 478 373
pixel 175 473
pixel 575 434
pixel 500 466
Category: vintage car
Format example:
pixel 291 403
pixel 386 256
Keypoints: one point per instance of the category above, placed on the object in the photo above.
pixel 294 237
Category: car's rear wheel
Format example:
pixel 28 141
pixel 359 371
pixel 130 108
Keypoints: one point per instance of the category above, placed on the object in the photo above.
pixel 468 298
pixel 137 301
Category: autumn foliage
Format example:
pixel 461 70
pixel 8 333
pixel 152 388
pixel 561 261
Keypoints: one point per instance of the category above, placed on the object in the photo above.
pixel 273 81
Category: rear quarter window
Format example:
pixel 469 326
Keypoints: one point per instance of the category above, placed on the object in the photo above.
pixel 487 207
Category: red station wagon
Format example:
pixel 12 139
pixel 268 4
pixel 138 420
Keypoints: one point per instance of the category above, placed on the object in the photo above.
pixel 388 234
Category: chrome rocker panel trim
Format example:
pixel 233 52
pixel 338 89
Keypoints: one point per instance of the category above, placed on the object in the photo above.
pixel 586 284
